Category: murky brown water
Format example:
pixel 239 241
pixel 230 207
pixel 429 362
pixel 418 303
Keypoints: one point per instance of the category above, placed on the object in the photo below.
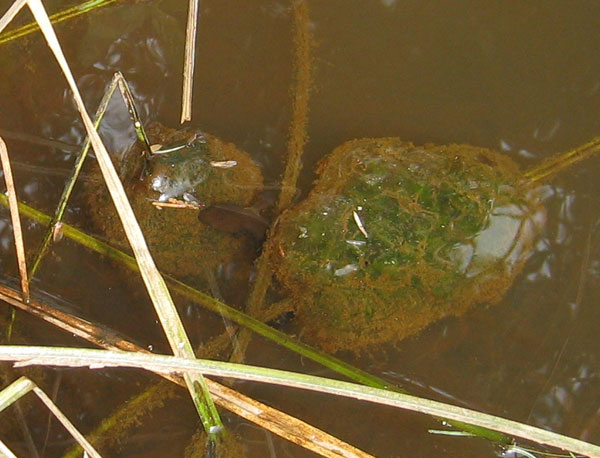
pixel 522 78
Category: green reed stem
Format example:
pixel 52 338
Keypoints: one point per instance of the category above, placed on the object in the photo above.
pixel 117 81
pixel 61 16
pixel 558 162
pixel 70 357
pixel 133 113
pixel 241 318
pixel 66 194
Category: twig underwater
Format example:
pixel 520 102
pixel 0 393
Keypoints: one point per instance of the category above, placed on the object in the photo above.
pixel 303 42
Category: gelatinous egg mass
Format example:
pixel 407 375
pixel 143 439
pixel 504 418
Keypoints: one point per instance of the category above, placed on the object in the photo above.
pixel 394 237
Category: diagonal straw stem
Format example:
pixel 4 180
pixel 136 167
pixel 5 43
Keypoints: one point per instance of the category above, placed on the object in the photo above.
pixel 554 164
pixel 69 357
pixel 117 81
pixel 61 16
pixel 16 222
pixel 188 64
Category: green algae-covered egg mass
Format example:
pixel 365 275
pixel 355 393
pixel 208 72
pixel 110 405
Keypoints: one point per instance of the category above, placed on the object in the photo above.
pixel 180 244
pixel 394 237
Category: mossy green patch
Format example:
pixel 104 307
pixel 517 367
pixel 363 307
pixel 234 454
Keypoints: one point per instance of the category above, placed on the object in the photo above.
pixel 395 236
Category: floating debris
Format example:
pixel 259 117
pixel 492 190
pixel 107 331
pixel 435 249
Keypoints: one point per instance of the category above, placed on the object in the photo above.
pixel 223 164
pixel 360 224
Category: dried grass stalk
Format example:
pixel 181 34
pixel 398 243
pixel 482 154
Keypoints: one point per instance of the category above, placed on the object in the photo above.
pixel 16 222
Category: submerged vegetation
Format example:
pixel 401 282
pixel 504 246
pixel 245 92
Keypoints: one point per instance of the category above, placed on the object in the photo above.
pixel 391 238
pixel 394 237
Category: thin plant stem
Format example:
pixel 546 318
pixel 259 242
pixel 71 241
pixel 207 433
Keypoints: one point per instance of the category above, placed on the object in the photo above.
pixel 554 164
pixel 23 386
pixel 37 140
pixel 117 81
pixel 133 113
pixel 61 16
pixel 68 357
pixel 67 191
pixel 16 221
pixel 303 43
pixel 81 440
pixel 11 13
pixel 99 335
pixel 189 59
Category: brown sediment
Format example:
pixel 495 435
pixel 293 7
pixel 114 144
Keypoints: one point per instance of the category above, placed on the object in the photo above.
pixel 180 244
pixel 394 237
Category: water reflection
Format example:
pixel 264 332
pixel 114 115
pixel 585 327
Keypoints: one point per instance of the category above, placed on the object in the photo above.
pixel 495 75
pixel 508 237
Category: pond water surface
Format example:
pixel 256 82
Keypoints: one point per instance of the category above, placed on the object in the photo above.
pixel 522 78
